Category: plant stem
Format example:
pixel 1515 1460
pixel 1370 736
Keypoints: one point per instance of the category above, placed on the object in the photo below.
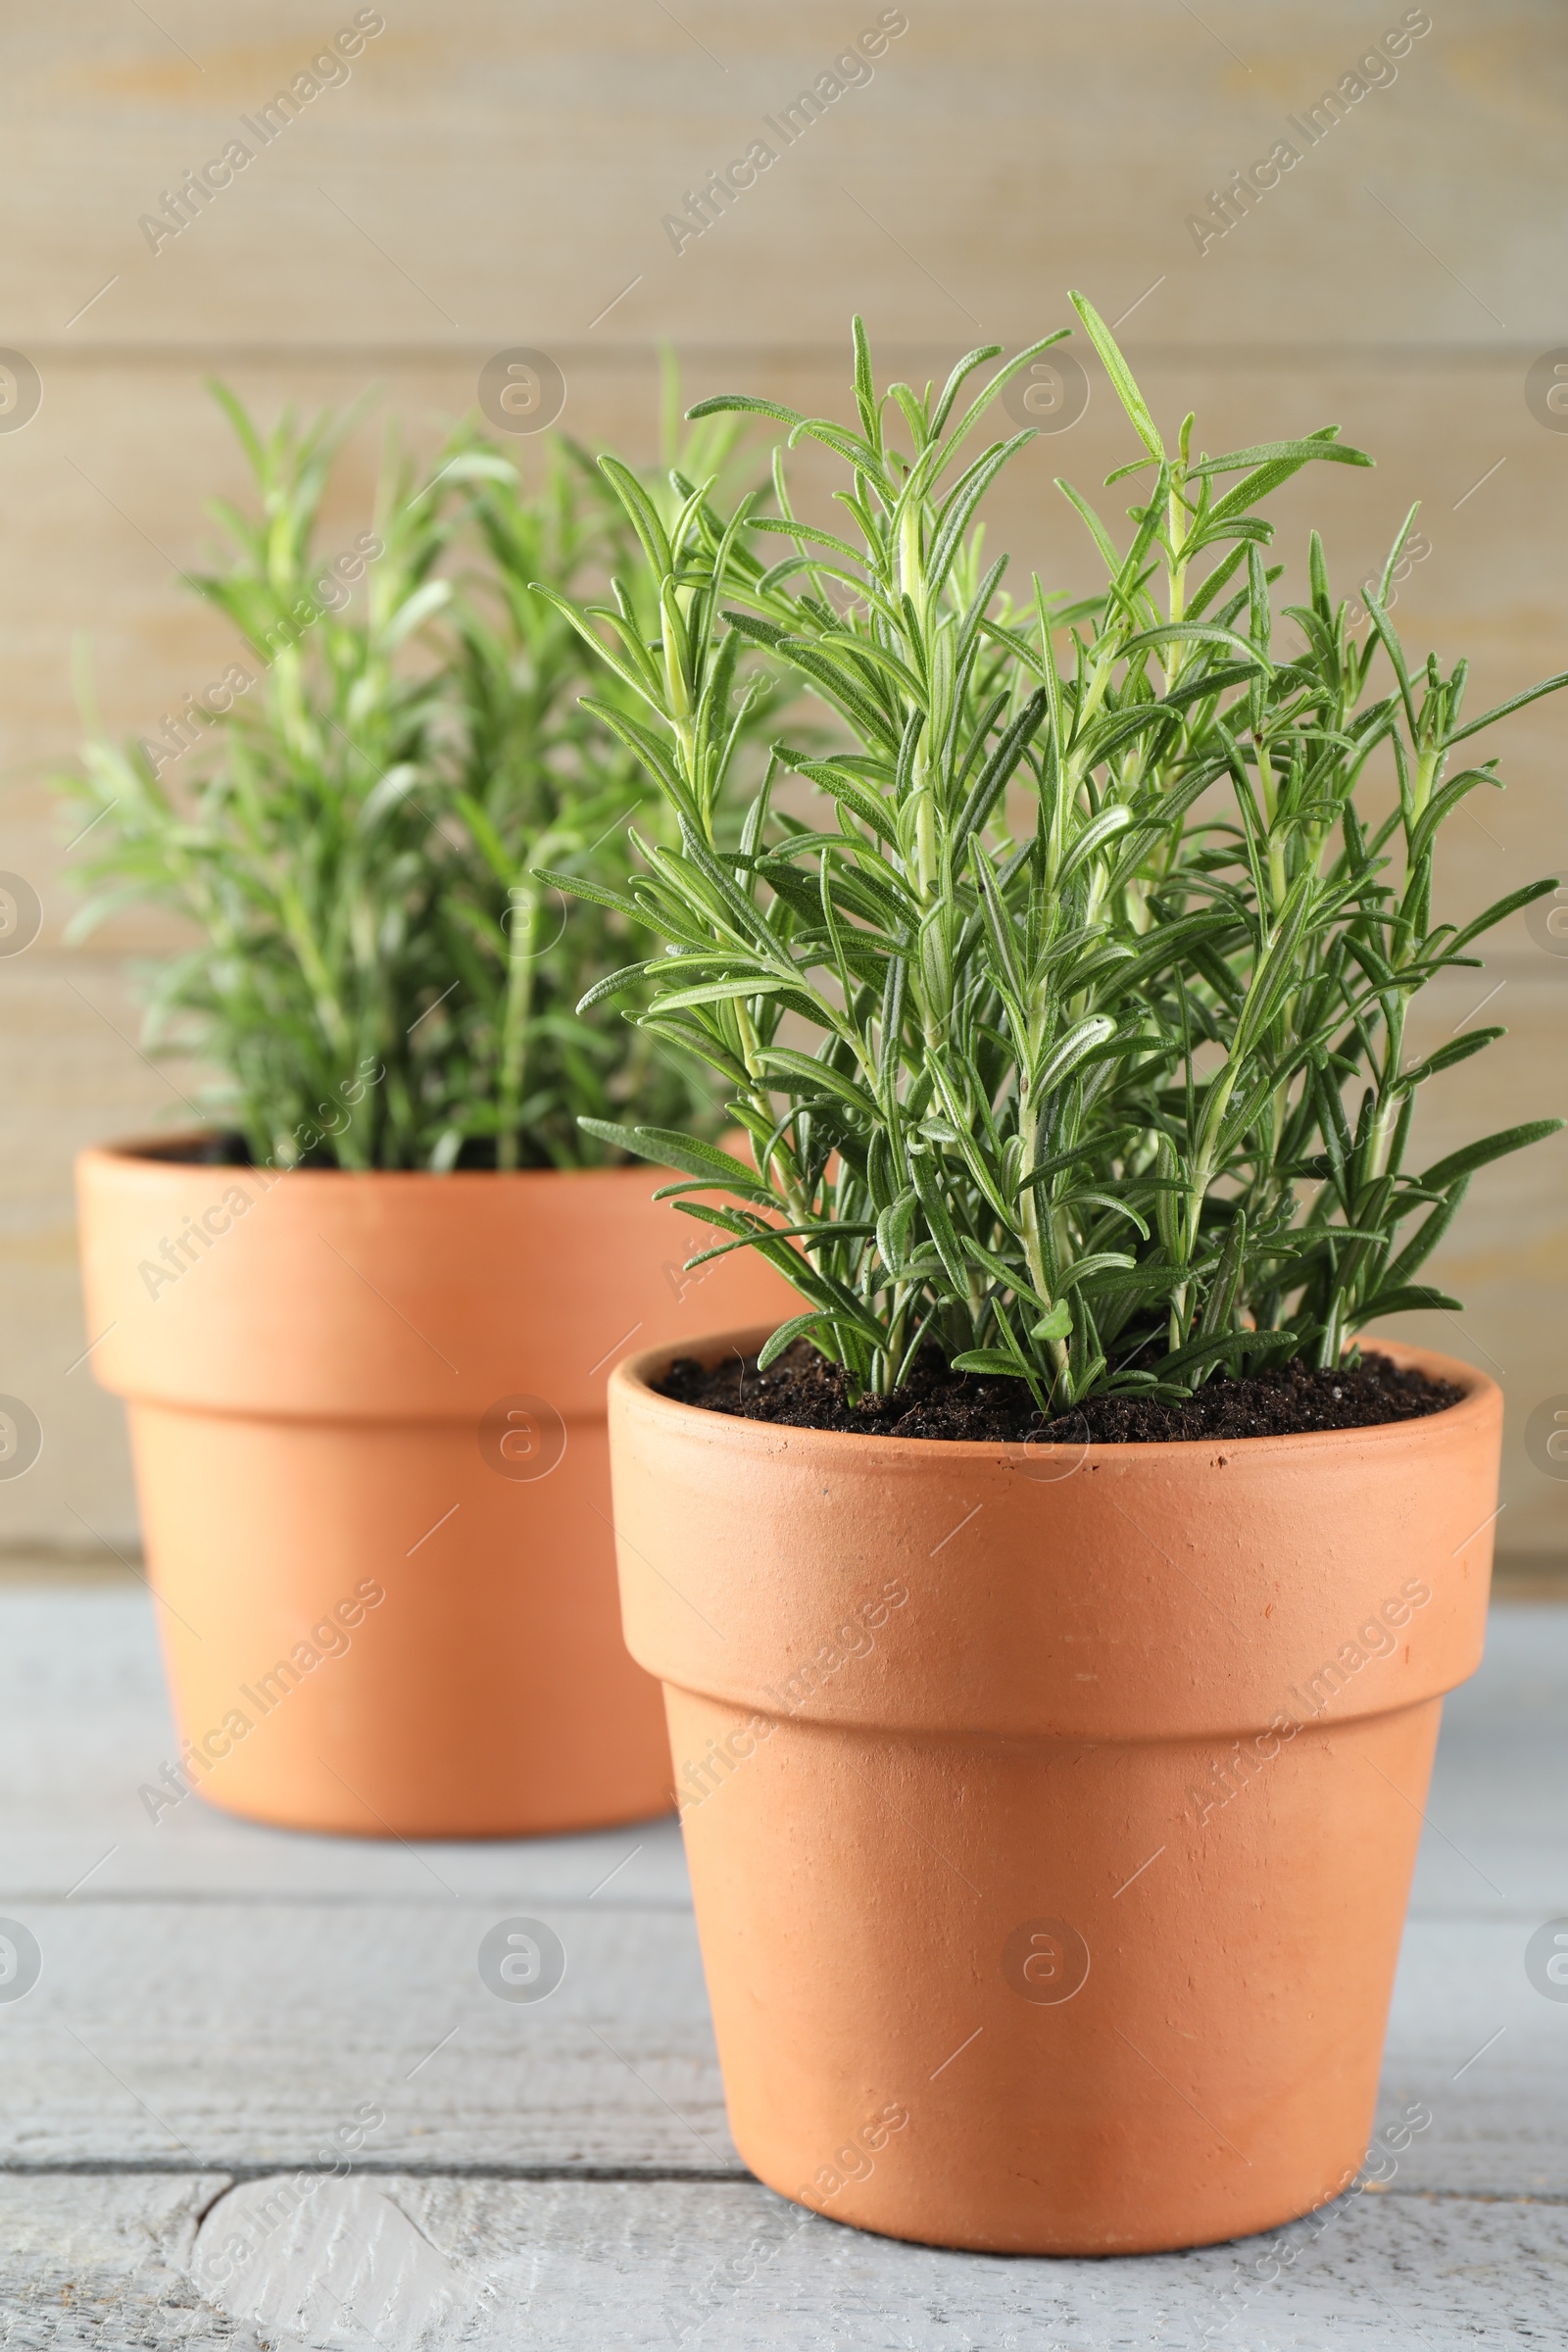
pixel 524 905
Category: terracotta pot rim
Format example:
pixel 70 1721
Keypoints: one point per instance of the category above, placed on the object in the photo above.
pixel 157 1152
pixel 633 1377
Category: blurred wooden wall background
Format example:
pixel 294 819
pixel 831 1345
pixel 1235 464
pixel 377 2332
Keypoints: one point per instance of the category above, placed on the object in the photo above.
pixel 499 175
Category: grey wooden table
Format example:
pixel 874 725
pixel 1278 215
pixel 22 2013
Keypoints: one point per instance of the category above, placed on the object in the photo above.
pixel 216 2002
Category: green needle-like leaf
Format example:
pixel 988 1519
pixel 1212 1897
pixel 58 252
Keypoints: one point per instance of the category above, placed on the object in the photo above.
pixel 1102 915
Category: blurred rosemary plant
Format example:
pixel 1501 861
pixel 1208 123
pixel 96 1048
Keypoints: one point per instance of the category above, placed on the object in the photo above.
pixel 377 976
pixel 1104 964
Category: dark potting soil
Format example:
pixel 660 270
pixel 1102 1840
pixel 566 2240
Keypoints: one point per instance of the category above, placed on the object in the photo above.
pixel 229 1150
pixel 225 1150
pixel 805 1392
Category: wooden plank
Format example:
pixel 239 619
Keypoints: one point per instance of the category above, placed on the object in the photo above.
pixel 222 2032
pixel 133 499
pixel 1506 1256
pixel 216 2033
pixel 1435 421
pixel 217 1993
pixel 517 200
pixel 988 152
pixel 85 1725
pixel 618 2267
pixel 1496 1799
pixel 105 2262
pixel 234 2034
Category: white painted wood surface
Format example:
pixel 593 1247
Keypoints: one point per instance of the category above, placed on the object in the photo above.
pixel 618 2267
pixel 215 2000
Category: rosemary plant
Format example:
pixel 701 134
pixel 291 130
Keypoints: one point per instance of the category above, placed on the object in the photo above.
pixel 1103 965
pixel 349 822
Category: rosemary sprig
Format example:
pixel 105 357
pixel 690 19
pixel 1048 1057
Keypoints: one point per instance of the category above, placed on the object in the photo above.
pixel 1103 967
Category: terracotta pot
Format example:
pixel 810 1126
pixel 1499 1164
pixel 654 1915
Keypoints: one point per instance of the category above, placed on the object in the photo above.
pixel 1050 1815
pixel 367 1416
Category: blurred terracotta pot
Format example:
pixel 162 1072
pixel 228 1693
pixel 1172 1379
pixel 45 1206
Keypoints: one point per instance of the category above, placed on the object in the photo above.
pixel 1051 1813
pixel 367 1416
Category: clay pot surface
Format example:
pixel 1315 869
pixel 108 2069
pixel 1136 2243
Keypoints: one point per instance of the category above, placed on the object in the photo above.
pixel 1050 1812
pixel 367 1417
